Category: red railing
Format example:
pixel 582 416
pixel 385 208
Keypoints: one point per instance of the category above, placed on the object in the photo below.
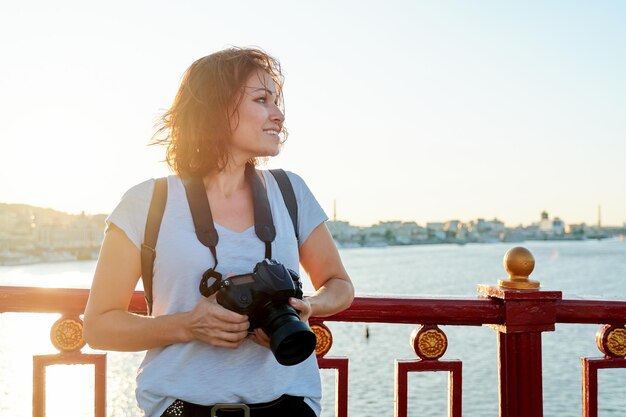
pixel 516 309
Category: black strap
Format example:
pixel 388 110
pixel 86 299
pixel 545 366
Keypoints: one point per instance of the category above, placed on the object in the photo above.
pixel 203 219
pixel 208 233
pixel 151 234
pixel 289 196
pixel 201 214
pixel 263 222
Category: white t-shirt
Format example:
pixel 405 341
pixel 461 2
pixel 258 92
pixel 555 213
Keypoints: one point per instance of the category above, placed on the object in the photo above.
pixel 197 372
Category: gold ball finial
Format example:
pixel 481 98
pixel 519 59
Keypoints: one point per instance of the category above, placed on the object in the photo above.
pixel 519 264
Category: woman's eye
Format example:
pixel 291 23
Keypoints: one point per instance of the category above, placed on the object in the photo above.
pixel 261 100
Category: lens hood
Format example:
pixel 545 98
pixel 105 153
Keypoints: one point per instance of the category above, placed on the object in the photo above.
pixel 292 342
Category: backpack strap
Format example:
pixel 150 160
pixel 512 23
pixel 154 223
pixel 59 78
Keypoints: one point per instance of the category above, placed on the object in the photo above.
pixel 148 248
pixel 286 189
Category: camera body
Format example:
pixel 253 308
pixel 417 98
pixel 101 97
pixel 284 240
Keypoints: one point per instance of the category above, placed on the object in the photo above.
pixel 264 296
pixel 253 294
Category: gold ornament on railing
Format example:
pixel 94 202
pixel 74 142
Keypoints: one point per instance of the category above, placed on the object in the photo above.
pixel 67 334
pixel 519 264
pixel 324 339
pixel 429 342
pixel 611 340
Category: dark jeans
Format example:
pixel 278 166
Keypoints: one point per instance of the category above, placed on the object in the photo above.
pixel 285 406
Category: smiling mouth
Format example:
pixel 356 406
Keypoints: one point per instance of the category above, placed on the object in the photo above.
pixel 272 132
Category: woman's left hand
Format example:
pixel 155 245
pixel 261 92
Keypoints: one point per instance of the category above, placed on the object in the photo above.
pixel 303 307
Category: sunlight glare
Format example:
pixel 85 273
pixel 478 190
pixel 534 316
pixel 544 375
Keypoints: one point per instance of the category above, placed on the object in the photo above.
pixel 70 389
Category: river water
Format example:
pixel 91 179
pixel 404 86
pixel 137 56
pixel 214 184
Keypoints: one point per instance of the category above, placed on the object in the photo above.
pixel 582 268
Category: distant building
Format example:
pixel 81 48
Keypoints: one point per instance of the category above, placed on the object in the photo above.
pixel 436 230
pixel 82 232
pixel 581 229
pixel 406 233
pixel 8 220
pixel 342 231
pixel 382 233
pixel 483 230
pixel 551 227
pixel 451 228
pixel 31 234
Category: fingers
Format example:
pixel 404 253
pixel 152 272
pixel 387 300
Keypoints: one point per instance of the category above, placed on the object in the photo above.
pixel 298 304
pixel 229 339
pixel 228 316
pixel 259 337
pixel 221 338
pixel 213 324
pixel 303 307
pixel 223 313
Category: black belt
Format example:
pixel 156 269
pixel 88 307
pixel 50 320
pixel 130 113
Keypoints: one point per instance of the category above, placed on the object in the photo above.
pixel 287 405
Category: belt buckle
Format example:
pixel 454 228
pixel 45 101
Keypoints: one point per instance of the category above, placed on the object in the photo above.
pixel 230 407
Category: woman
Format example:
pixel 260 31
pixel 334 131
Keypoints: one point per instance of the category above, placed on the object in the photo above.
pixel 225 117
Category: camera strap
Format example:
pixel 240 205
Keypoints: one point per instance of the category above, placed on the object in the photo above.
pixel 203 219
pixel 201 214
pixel 157 209
pixel 263 222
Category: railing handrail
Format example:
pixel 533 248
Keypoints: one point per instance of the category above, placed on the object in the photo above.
pixel 443 310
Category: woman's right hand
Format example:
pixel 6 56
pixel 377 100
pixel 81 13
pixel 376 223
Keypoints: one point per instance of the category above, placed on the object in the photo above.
pixel 215 325
pixel 108 325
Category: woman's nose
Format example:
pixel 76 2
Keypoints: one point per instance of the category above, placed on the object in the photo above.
pixel 277 115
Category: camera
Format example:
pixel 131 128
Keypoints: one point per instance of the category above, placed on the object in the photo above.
pixel 263 295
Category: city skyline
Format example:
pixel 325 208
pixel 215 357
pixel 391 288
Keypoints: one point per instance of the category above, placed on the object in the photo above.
pixel 333 217
pixel 31 234
pixel 410 111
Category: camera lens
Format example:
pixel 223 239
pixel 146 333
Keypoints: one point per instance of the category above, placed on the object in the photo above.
pixel 291 340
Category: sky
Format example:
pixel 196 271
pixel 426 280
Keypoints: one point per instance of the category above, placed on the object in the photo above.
pixel 397 110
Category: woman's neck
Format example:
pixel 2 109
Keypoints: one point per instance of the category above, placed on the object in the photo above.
pixel 226 182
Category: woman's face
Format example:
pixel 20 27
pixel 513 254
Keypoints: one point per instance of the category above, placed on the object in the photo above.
pixel 256 130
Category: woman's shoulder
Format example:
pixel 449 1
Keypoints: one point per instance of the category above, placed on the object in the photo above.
pixel 143 191
pixel 297 182
pixel 140 189
pixel 302 192
pixel 294 178
pixel 310 213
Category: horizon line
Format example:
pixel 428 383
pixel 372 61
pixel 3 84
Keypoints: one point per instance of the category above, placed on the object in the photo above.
pixel 92 214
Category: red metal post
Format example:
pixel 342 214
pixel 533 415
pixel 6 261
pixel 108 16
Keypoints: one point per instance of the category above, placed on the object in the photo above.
pixel 520 375
pixel 590 381
pixel 40 362
pixel 455 389
pixel 341 387
pixel 527 313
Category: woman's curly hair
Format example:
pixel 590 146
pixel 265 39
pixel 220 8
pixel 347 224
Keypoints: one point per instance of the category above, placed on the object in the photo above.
pixel 197 128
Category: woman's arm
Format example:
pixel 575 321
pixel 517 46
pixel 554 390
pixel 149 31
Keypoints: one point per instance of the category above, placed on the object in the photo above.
pixel 109 325
pixel 321 261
